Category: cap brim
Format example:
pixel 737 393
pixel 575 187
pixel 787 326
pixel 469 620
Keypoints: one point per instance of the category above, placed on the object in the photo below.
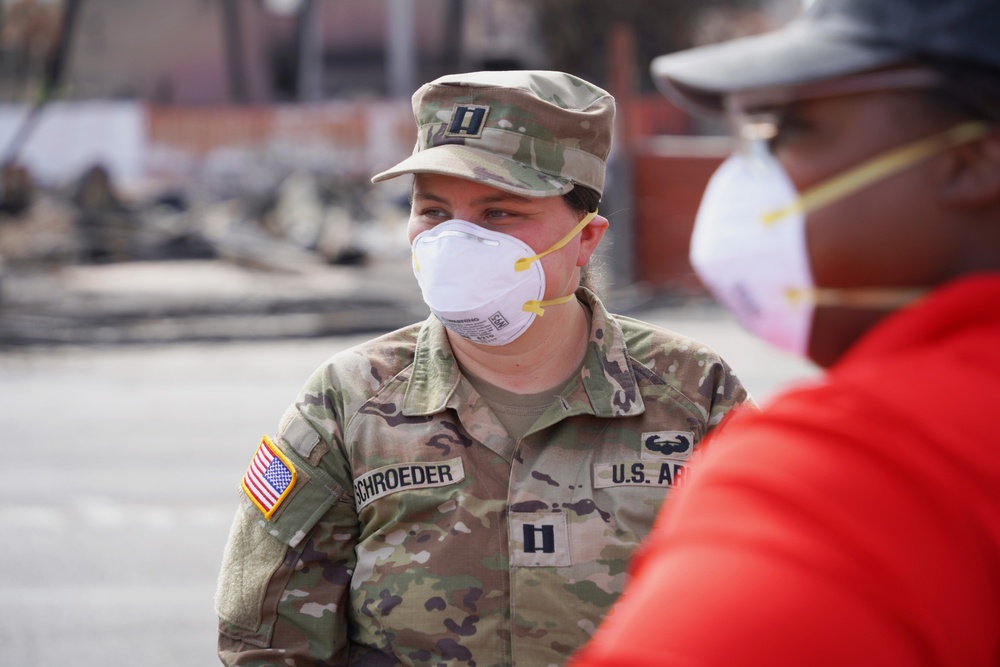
pixel 699 79
pixel 484 167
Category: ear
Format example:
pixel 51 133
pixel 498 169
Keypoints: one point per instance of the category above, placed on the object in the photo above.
pixel 974 174
pixel 590 237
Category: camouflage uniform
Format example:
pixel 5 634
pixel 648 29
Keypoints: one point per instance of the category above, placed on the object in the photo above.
pixel 417 532
pixel 393 520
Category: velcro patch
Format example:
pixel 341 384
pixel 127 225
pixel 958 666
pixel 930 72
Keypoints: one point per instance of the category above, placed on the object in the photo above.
pixel 269 478
pixel 380 482
pixel 667 444
pixel 539 539
pixel 665 472
pixel 468 121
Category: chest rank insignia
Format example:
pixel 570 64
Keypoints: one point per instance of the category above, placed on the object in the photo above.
pixel 269 479
pixel 467 121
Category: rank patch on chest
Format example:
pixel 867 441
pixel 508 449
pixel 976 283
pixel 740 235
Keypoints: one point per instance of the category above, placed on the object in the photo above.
pixel 269 479
pixel 539 539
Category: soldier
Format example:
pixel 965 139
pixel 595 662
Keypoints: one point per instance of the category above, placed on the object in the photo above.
pixel 855 521
pixel 468 490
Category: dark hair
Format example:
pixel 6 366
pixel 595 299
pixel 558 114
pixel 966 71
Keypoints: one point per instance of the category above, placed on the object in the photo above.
pixel 584 199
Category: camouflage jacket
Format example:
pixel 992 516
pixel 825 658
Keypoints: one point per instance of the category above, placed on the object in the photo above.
pixel 405 527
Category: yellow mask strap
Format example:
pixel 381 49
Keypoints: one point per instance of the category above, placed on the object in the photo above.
pixel 877 298
pixel 877 168
pixel 525 262
pixel 538 307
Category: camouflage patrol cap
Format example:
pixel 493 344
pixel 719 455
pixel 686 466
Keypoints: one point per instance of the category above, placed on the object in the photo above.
pixel 533 133
pixel 834 38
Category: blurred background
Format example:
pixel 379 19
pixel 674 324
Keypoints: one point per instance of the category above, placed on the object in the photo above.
pixel 169 170
pixel 187 229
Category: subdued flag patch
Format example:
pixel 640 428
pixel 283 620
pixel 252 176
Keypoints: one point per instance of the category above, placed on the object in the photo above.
pixel 269 479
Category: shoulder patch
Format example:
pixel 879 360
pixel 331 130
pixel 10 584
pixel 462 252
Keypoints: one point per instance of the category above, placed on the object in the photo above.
pixel 269 478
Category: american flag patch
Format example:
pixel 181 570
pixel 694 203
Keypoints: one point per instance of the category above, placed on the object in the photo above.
pixel 269 478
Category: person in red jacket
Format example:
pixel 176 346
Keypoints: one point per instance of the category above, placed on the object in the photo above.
pixel 854 520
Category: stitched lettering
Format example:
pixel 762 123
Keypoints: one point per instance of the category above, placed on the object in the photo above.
pixel 650 473
pixel 389 479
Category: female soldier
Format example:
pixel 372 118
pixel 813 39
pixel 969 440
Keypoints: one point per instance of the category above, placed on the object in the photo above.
pixel 469 489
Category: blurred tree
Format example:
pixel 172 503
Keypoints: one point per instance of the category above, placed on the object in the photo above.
pixel 577 31
pixel 235 56
pixel 49 38
pixel 29 40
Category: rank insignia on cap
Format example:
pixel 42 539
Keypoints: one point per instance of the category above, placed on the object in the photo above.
pixel 467 120
pixel 269 479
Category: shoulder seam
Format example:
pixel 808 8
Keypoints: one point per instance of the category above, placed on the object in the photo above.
pixel 395 379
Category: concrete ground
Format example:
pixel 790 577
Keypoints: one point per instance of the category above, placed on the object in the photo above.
pixel 121 468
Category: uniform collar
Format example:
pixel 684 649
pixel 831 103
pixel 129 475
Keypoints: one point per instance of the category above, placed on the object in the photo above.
pixel 607 376
pixel 607 386
pixel 435 373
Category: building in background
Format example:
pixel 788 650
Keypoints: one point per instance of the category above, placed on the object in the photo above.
pixel 231 98
pixel 252 52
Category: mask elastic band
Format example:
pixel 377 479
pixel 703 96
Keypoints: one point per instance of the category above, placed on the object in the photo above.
pixel 875 298
pixel 538 307
pixel 878 168
pixel 525 262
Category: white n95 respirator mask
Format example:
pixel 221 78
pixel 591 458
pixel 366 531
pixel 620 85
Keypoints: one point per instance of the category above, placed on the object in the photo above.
pixel 749 265
pixel 484 285
pixel 749 249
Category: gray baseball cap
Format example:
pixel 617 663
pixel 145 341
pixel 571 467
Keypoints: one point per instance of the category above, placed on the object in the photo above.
pixel 532 132
pixel 833 38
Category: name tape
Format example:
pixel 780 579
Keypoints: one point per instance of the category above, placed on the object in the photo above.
pixel 383 481
pixel 639 473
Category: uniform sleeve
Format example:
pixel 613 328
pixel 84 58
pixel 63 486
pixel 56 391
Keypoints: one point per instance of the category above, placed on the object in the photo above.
pixel 282 597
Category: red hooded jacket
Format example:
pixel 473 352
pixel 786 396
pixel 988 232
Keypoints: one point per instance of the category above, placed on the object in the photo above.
pixel 852 522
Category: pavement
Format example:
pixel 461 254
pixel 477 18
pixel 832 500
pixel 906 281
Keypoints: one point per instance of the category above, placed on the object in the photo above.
pixel 131 406
pixel 296 298
pixel 203 300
